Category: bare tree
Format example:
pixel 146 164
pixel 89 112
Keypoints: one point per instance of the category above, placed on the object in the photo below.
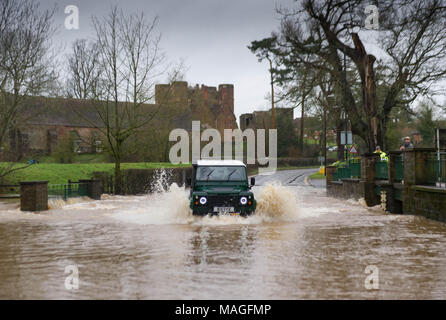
pixel 129 64
pixel 84 70
pixel 25 54
pixel 411 34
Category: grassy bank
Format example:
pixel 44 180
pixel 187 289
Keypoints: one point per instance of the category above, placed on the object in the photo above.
pixel 296 168
pixel 255 171
pixel 61 173
pixel 317 175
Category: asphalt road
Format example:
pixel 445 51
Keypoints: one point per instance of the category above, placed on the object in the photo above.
pixel 299 177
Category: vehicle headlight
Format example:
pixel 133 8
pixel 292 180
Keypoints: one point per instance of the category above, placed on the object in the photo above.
pixel 203 200
pixel 243 200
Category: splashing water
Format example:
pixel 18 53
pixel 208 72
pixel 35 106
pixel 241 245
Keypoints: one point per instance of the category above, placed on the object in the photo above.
pixel 160 181
pixel 169 204
pixel 60 203
pixel 276 203
pixel 168 207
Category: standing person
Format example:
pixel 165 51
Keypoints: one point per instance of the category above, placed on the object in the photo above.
pixel 382 154
pixel 407 144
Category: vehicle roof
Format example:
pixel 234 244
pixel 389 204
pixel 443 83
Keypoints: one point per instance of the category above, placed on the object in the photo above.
pixel 220 163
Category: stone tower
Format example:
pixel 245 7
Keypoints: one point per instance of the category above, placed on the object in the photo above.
pixel 214 108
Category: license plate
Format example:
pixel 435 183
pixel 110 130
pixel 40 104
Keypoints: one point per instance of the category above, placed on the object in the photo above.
pixel 224 209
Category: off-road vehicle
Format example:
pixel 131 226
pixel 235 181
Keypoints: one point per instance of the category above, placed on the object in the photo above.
pixel 221 187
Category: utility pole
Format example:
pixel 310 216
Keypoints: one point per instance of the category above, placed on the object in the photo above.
pixel 325 138
pixel 327 102
pixel 273 118
pixel 345 107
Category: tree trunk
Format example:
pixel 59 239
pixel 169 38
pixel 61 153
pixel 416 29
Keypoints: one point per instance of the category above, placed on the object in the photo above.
pixel 301 141
pixel 365 63
pixel 118 178
pixel 339 127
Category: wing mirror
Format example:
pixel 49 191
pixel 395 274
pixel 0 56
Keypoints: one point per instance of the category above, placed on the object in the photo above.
pixel 188 181
pixel 253 181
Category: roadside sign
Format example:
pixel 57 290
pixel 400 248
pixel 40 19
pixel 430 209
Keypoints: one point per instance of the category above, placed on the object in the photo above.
pixel 349 137
pixel 440 139
pixel 353 150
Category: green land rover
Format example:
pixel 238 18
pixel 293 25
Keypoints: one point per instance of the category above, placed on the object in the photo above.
pixel 221 187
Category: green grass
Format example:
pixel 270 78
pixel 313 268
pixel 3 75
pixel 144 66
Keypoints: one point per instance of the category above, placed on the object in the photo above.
pixel 295 168
pixel 79 158
pixel 61 173
pixel 317 175
pixel 255 171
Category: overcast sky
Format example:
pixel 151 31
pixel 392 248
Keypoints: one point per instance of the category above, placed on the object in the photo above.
pixel 210 35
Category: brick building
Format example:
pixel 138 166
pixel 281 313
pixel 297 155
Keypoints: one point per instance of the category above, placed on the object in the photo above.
pixel 45 122
pixel 262 119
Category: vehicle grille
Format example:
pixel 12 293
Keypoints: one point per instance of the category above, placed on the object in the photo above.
pixel 223 201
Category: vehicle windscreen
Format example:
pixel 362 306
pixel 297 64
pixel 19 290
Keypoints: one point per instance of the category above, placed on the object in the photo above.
pixel 221 173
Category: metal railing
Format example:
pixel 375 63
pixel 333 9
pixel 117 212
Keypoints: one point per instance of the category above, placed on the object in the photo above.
pixel 69 190
pixel 9 190
pixel 343 173
pixel 355 166
pixel 399 168
pixel 381 170
pixel 436 169
pixel 351 170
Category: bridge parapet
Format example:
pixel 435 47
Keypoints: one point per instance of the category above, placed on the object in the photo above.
pixel 411 182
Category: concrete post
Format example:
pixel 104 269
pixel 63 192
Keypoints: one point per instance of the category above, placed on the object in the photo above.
pixel 391 164
pixel 330 171
pixel 96 189
pixel 34 195
pixel 367 183
pixel 368 161
pixel 415 173
pixel 392 204
pixel 93 187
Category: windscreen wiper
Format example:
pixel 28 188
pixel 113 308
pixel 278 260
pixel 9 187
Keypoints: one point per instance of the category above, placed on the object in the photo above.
pixel 209 174
pixel 229 175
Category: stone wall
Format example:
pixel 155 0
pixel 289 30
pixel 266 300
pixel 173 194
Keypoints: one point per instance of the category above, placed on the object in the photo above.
pixel 345 189
pixel 142 181
pixel 429 202
pixel 356 188
pixel 418 197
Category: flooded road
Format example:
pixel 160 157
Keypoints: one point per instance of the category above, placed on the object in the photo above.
pixel 299 245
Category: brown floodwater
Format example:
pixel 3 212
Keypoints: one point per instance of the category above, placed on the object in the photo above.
pixel 299 245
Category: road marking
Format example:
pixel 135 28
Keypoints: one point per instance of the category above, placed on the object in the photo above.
pixel 295 178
